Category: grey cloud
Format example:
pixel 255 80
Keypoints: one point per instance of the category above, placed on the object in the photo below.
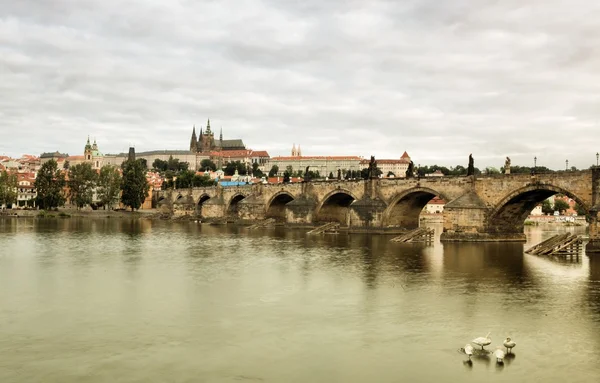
pixel 438 79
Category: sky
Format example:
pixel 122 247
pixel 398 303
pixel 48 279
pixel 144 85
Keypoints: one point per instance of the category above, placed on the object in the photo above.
pixel 438 79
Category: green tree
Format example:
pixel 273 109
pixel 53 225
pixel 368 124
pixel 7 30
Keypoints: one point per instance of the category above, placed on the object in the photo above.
pixel 199 181
pixel 274 170
pixel 580 210
pixel 256 172
pixel 8 188
pixel 185 179
pixel 160 165
pixel 135 186
pixel 82 181
pixel 49 185
pixel 208 164
pixel 109 185
pixel 66 165
pixel 491 170
pixel 546 206
pixel 561 205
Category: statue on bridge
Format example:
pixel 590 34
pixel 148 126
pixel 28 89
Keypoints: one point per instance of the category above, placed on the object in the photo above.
pixel 507 166
pixel 410 172
pixel 339 176
pixel 373 168
pixel 471 168
pixel 306 174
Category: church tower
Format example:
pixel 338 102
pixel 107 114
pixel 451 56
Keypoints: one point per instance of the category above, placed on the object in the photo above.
pixel 299 151
pixel 87 152
pixel 294 153
pixel 194 141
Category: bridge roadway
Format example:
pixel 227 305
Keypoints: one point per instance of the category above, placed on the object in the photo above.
pixel 478 208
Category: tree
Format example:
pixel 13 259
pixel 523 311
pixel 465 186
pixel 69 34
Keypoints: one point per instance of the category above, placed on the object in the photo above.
pixel 66 165
pixel 546 206
pixel 199 181
pixel 561 205
pixel 109 185
pixel 82 181
pixel 491 170
pixel 160 165
pixel 256 172
pixel 274 170
pixel 286 177
pixel 8 188
pixel 49 185
pixel 135 186
pixel 185 179
pixel 208 164
pixel 580 210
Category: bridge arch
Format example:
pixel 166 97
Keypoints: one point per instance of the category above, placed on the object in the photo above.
pixel 232 206
pixel 203 198
pixel 276 205
pixel 405 207
pixel 509 215
pixel 335 207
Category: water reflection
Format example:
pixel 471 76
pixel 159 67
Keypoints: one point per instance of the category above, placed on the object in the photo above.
pixel 146 300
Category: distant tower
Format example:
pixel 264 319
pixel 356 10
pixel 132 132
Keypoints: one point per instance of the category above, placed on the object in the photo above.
pixel 221 136
pixel 87 152
pixel 299 151
pixel 95 146
pixel 194 141
pixel 208 128
pixel 294 153
pixel 131 155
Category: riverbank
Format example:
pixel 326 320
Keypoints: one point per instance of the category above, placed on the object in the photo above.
pixel 69 212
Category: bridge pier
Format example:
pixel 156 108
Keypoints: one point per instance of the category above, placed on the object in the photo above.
pixel 251 208
pixel 366 215
pixel 300 211
pixel 466 220
pixel 593 246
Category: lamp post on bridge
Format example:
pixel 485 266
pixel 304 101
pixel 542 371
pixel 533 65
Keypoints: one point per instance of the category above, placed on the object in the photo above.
pixel 534 164
pixel 597 155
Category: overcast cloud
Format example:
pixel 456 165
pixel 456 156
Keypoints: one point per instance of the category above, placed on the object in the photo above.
pixel 439 79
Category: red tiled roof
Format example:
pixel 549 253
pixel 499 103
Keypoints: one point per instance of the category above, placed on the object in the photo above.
pixel 300 158
pixel 260 153
pixel 390 162
pixel 405 155
pixel 436 201
pixel 75 158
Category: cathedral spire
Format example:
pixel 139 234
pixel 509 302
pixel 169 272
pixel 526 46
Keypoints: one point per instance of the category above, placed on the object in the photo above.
pixel 294 150
pixel 221 135
pixel 208 127
pixel 193 141
pixel 299 151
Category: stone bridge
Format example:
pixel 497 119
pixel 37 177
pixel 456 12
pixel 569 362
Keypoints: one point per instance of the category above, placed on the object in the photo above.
pixel 478 208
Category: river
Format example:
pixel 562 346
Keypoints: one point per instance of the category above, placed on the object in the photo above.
pixel 114 300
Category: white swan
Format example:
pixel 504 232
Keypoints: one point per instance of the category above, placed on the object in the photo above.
pixel 482 341
pixel 499 355
pixel 468 350
pixel 509 344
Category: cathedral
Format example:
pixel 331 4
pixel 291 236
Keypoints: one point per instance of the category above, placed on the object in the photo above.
pixel 205 142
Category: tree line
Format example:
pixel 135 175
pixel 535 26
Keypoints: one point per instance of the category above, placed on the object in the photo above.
pixel 80 183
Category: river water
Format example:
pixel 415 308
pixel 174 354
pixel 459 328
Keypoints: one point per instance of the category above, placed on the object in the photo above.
pixel 115 300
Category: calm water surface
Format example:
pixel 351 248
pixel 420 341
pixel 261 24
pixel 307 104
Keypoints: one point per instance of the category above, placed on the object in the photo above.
pixel 141 301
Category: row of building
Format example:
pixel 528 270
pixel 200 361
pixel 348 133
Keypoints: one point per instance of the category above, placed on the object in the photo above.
pixel 204 146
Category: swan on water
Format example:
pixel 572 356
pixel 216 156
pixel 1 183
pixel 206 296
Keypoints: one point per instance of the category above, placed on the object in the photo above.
pixel 468 350
pixel 482 341
pixel 499 355
pixel 509 344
